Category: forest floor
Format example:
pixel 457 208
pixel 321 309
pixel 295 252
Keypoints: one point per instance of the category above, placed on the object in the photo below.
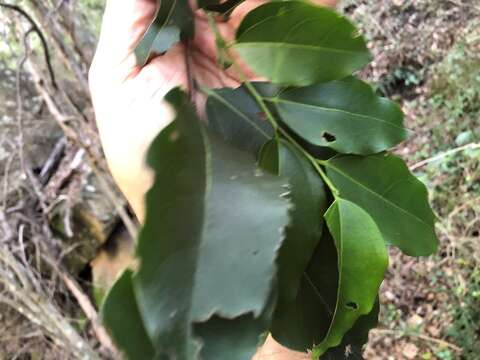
pixel 426 57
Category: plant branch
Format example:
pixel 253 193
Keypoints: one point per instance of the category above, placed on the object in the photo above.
pixel 221 45
pixel 278 129
pixel 471 146
pixel 420 336
pixel 35 28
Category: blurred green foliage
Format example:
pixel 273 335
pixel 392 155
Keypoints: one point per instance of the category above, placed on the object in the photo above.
pixel 92 11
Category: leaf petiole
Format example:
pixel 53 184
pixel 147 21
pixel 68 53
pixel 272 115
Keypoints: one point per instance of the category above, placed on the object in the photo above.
pixel 271 118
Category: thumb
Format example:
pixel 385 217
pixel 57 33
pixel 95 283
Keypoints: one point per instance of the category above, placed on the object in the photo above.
pixel 124 24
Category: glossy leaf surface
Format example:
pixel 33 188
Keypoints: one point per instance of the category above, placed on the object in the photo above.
pixel 121 315
pixel 298 43
pixel 306 322
pixel 355 338
pixel 309 203
pixel 237 118
pixel 303 323
pixel 362 261
pixel 209 213
pixel 344 115
pixel 398 202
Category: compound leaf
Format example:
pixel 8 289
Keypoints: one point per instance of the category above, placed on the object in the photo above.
pixel 213 227
pixel 298 43
pixel 396 200
pixel 345 115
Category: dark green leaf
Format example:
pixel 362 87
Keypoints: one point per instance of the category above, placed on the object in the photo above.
pixel 236 118
pixel 122 318
pixel 173 20
pixel 213 226
pixel 298 43
pixel 345 115
pixel 397 201
pixel 362 262
pixel 222 335
pixel 358 335
pixel 309 202
pixel 305 322
pixel 353 341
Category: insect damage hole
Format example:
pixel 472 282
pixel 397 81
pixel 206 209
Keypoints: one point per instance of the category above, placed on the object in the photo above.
pixel 328 137
pixel 174 136
pixel 351 305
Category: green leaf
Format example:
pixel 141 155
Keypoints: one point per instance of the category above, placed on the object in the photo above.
pixel 122 318
pixel 173 20
pixel 298 43
pixel 213 227
pixel 353 341
pixel 351 347
pixel 398 202
pixel 344 115
pixel 362 262
pixel 242 334
pixel 305 322
pixel 236 118
pixel 309 202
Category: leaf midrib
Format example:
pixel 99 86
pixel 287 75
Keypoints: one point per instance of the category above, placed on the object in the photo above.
pixel 301 46
pixel 238 112
pixel 328 164
pixel 317 292
pixel 374 118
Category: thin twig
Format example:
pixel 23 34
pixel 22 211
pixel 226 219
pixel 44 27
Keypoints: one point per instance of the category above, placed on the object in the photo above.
pixel 39 32
pixel 420 336
pixel 61 120
pixel 471 146
pixel 89 311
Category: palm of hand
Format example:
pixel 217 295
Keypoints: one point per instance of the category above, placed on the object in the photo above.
pixel 128 100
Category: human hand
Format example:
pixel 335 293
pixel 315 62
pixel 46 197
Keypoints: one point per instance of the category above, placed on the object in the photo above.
pixel 129 100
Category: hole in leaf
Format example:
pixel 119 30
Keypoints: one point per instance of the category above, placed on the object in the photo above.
pixel 352 305
pixel 174 136
pixel 329 137
pixel 262 115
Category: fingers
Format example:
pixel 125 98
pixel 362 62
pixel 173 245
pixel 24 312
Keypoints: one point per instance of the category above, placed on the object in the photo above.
pixel 272 350
pixel 124 24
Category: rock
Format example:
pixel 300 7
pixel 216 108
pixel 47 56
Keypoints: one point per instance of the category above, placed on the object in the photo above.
pixel 410 351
